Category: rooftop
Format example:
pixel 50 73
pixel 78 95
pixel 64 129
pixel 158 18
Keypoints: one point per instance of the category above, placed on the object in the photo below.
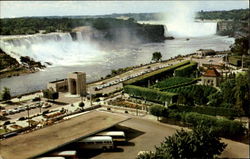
pixel 49 138
pixel 211 72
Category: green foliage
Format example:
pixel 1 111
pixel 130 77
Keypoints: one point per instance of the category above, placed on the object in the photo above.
pixel 187 70
pixel 158 110
pixel 50 94
pixel 227 91
pixel 156 56
pixel 197 93
pixel 235 93
pixel 242 93
pixel 5 94
pixel 199 143
pixel 241 46
pixel 81 104
pixel 172 81
pixel 237 14
pixel 150 94
pixel 158 74
pixel 227 112
pixel 222 127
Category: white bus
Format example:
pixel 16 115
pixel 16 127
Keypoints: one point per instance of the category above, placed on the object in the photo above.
pixel 117 136
pixel 68 154
pixel 51 158
pixel 96 142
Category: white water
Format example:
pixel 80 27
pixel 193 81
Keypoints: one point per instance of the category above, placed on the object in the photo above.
pixel 187 29
pixel 180 21
pixel 57 48
pixel 191 29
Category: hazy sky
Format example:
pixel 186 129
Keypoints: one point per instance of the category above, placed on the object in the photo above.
pixel 60 8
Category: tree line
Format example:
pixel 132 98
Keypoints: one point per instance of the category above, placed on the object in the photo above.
pixel 236 14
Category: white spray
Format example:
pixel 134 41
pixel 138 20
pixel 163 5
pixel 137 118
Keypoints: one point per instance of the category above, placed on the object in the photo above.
pixel 180 21
pixel 56 48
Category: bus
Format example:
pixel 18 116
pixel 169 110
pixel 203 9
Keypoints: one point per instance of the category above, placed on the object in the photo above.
pixel 117 136
pixel 51 158
pixel 68 154
pixel 96 142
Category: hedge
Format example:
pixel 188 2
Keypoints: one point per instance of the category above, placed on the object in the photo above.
pixel 172 81
pixel 161 73
pixel 150 94
pixel 180 85
pixel 221 111
pixel 187 70
pixel 222 127
pixel 197 93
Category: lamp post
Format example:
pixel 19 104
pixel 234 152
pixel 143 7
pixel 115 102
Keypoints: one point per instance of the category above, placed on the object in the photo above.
pixel 28 111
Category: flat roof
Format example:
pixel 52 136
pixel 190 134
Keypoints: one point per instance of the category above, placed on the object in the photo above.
pixel 49 138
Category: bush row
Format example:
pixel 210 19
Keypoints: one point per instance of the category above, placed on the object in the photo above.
pixel 194 94
pixel 222 127
pixel 150 94
pixel 221 111
pixel 180 85
pixel 161 73
pixel 172 81
pixel 187 70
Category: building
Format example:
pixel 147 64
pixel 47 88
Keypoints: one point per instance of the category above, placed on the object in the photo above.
pixel 205 52
pixel 75 84
pixel 58 85
pixel 211 77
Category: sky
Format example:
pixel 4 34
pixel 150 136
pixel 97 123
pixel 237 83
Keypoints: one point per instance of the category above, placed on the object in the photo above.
pixel 11 9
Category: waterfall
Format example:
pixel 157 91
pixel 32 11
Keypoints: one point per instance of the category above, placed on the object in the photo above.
pixel 191 29
pixel 56 48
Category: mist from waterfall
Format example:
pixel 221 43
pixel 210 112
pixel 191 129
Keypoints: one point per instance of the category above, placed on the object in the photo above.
pixel 180 21
pixel 59 49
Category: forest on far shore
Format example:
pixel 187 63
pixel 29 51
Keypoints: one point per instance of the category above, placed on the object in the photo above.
pixel 32 25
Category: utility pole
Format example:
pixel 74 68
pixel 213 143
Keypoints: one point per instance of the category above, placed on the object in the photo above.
pixel 28 111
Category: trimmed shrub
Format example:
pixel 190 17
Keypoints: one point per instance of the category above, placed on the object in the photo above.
pixel 222 127
pixel 172 81
pixel 198 93
pixel 187 70
pixel 221 111
pixel 158 111
pixel 150 94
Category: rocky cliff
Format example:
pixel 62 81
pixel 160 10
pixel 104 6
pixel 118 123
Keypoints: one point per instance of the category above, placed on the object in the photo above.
pixel 233 28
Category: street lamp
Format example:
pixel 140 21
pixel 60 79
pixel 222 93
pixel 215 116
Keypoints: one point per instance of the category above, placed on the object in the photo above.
pixel 28 111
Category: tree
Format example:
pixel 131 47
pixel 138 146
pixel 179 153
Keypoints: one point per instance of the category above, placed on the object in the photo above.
pixel 50 94
pixel 156 56
pixel 19 97
pixel 6 94
pixel 81 104
pixel 242 93
pixel 158 111
pixel 240 46
pixel 199 143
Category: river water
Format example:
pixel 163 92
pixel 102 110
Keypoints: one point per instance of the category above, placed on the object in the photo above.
pixel 106 60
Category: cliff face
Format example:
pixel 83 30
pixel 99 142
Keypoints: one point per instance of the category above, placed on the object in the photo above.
pixel 233 28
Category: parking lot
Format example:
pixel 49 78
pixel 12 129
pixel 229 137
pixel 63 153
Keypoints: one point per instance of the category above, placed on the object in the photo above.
pixel 144 134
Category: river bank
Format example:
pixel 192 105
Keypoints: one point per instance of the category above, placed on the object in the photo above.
pixel 10 67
